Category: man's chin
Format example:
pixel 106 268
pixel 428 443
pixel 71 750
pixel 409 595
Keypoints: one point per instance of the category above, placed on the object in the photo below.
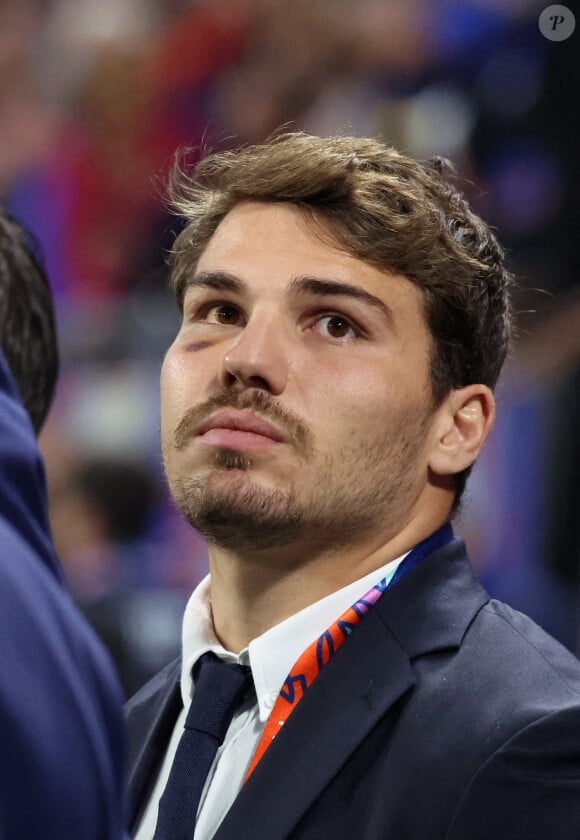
pixel 234 511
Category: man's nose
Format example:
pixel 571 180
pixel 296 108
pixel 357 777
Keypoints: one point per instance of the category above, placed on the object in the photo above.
pixel 258 357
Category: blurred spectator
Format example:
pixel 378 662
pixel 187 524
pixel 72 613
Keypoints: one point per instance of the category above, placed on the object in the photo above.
pixel 62 756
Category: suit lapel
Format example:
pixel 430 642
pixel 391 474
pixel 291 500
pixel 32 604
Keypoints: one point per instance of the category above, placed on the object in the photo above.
pixel 362 681
pixel 151 716
pixel 429 610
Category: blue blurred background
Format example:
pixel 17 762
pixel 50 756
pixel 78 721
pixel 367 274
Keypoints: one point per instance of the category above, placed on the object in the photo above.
pixel 95 97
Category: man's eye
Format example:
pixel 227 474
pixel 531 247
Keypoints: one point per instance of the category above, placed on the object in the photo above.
pixel 220 313
pixel 336 326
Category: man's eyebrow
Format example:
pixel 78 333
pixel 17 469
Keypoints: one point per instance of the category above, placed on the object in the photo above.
pixel 224 281
pixel 221 281
pixel 327 288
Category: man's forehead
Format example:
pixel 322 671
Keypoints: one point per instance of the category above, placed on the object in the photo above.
pixel 281 242
pixel 282 220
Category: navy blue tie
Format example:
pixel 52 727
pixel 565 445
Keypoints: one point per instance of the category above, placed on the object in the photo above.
pixel 219 690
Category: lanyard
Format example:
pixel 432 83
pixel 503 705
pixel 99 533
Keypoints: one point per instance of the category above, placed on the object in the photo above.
pixel 311 662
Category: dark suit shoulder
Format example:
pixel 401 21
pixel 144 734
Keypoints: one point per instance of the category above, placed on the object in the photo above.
pixel 529 787
pixel 493 722
pixel 515 647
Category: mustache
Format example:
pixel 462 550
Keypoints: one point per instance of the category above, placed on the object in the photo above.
pixel 257 401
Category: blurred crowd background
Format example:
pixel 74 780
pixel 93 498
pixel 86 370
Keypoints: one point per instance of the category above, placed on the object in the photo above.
pixel 95 97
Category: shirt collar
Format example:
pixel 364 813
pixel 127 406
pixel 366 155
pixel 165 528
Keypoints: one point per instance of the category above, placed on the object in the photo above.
pixel 271 655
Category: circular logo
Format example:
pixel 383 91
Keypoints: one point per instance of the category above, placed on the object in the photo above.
pixel 557 23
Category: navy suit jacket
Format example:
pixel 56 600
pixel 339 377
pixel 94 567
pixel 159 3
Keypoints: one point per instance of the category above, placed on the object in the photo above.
pixel 61 726
pixel 443 716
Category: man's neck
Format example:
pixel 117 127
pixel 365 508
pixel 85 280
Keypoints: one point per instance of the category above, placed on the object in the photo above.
pixel 252 593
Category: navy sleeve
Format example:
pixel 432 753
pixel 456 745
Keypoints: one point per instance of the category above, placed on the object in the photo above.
pixel 61 732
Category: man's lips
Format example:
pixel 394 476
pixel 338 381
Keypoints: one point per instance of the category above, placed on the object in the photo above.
pixel 238 430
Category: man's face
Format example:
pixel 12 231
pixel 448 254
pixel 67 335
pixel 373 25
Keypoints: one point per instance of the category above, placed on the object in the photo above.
pixel 280 327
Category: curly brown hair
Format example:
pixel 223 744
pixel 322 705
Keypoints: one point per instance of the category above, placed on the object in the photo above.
pixel 383 207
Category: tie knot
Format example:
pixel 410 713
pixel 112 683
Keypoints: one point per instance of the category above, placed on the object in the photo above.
pixel 219 688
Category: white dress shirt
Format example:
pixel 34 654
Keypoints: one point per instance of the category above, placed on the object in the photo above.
pixel 271 657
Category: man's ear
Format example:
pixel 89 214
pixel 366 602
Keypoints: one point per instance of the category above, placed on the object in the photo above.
pixel 463 422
